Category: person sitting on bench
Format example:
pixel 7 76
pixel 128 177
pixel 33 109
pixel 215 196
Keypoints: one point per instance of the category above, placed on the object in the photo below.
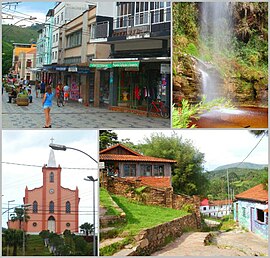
pixel 12 95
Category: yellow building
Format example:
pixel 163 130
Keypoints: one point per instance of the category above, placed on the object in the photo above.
pixel 24 60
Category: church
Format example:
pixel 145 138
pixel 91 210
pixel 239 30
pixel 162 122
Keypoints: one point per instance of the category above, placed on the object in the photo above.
pixel 53 207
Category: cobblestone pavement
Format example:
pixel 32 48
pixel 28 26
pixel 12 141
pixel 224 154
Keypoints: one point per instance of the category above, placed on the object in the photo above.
pixel 73 115
pixel 233 243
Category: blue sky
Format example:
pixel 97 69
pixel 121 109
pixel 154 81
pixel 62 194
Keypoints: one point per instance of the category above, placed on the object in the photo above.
pixel 26 9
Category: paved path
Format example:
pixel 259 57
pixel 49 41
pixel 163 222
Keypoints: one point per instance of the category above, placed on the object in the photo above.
pixel 228 244
pixel 110 241
pixel 73 115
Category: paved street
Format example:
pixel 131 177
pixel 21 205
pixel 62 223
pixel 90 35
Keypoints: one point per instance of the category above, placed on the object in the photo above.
pixel 234 243
pixel 73 115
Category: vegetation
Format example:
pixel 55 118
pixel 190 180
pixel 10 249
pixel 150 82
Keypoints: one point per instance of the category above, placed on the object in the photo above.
pixel 243 63
pixel 87 228
pixel 182 116
pixel 106 201
pixel 187 174
pixel 107 138
pixel 15 34
pixel 240 179
pixel 136 212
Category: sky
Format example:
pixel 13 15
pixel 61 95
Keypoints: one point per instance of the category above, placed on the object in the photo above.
pixel 220 147
pixel 25 9
pixel 31 147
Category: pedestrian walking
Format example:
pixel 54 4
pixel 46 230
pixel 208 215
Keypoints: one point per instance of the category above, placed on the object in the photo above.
pixel 42 88
pixel 66 93
pixel 47 105
pixel 37 87
pixel 59 94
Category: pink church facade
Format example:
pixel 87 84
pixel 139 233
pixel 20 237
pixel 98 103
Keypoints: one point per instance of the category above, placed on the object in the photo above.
pixel 53 207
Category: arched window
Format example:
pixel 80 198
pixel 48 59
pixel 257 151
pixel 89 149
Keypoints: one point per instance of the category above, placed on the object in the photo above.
pixel 51 207
pixel 35 207
pixel 67 207
pixel 51 177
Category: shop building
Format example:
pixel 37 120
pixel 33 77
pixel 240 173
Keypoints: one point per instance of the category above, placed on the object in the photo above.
pixel 138 68
pixel 24 60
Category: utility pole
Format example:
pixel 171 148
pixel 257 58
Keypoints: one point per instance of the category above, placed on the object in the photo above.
pixel 228 190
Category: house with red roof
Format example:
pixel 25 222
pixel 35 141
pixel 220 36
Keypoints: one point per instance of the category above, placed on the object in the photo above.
pixel 217 208
pixel 251 210
pixel 121 161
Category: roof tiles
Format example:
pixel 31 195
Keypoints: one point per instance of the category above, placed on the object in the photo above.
pixel 256 193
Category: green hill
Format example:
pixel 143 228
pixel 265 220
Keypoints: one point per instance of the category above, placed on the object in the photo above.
pixel 243 165
pixel 14 34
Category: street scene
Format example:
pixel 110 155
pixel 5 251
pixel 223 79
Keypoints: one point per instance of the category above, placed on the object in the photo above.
pixel 114 56
pixel 52 206
pixel 184 193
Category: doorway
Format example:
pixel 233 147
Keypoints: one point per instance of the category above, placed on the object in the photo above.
pixel 51 224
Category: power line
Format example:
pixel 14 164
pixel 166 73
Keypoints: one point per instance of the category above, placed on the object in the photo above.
pixel 38 166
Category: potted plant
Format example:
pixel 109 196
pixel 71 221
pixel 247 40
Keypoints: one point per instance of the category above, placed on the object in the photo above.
pixel 22 99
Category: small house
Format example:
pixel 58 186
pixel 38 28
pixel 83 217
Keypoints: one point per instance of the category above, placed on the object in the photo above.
pixel 121 161
pixel 251 210
pixel 217 208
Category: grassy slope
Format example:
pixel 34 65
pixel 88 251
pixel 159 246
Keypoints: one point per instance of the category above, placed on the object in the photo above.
pixel 140 216
pixel 105 201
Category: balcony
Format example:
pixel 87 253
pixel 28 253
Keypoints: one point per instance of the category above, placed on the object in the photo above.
pixel 142 25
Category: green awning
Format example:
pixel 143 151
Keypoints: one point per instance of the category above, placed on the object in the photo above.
pixel 101 65
pixel 126 64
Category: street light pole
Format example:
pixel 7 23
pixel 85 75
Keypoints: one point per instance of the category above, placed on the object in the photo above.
pixel 8 210
pixel 91 179
pixel 24 206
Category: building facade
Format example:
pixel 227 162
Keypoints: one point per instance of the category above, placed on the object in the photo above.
pixel 251 210
pixel 123 162
pixel 52 206
pixel 217 208
pixel 24 60
pixel 138 69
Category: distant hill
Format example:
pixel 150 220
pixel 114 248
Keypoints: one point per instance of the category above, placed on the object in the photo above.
pixel 243 165
pixel 17 34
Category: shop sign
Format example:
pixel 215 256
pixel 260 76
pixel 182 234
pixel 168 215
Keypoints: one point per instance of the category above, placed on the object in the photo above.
pixel 126 64
pixel 100 65
pixel 83 70
pixel 60 68
pixel 165 68
pixel 72 69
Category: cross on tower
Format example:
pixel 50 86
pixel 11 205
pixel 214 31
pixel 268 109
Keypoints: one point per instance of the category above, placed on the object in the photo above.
pixel 52 140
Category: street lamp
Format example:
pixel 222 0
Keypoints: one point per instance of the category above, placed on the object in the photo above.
pixel 91 179
pixel 24 206
pixel 8 210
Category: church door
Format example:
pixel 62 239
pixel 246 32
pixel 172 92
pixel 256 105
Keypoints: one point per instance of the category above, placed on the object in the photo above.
pixel 51 224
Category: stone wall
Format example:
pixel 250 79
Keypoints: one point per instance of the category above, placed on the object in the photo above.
pixel 152 239
pixel 154 196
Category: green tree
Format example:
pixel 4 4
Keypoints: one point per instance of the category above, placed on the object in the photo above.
pixel 187 173
pixel 20 215
pixel 87 228
pixel 13 238
pixel 107 138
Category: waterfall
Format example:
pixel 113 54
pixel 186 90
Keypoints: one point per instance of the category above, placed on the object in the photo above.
pixel 216 35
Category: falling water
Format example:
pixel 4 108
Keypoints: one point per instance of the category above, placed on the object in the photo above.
pixel 216 33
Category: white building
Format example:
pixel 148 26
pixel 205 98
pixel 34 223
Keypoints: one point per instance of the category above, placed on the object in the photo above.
pixel 64 12
pixel 218 208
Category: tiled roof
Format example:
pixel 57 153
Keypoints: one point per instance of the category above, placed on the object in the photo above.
pixel 256 193
pixel 122 146
pixel 204 202
pixel 157 182
pixel 119 157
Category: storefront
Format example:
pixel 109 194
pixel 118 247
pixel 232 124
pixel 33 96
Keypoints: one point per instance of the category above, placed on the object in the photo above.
pixel 131 83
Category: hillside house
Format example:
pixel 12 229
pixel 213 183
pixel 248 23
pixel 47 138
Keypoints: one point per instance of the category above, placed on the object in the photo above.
pixel 217 208
pixel 251 210
pixel 120 161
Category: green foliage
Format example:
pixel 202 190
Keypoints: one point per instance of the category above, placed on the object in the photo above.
pixel 107 138
pixel 182 116
pixel 187 176
pixel 136 215
pixel 115 247
pixel 106 202
pixel 192 50
pixel 188 208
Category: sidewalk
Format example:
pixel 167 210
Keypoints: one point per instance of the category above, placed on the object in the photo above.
pixel 73 115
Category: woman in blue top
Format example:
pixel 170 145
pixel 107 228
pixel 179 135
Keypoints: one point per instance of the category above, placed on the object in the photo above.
pixel 47 105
